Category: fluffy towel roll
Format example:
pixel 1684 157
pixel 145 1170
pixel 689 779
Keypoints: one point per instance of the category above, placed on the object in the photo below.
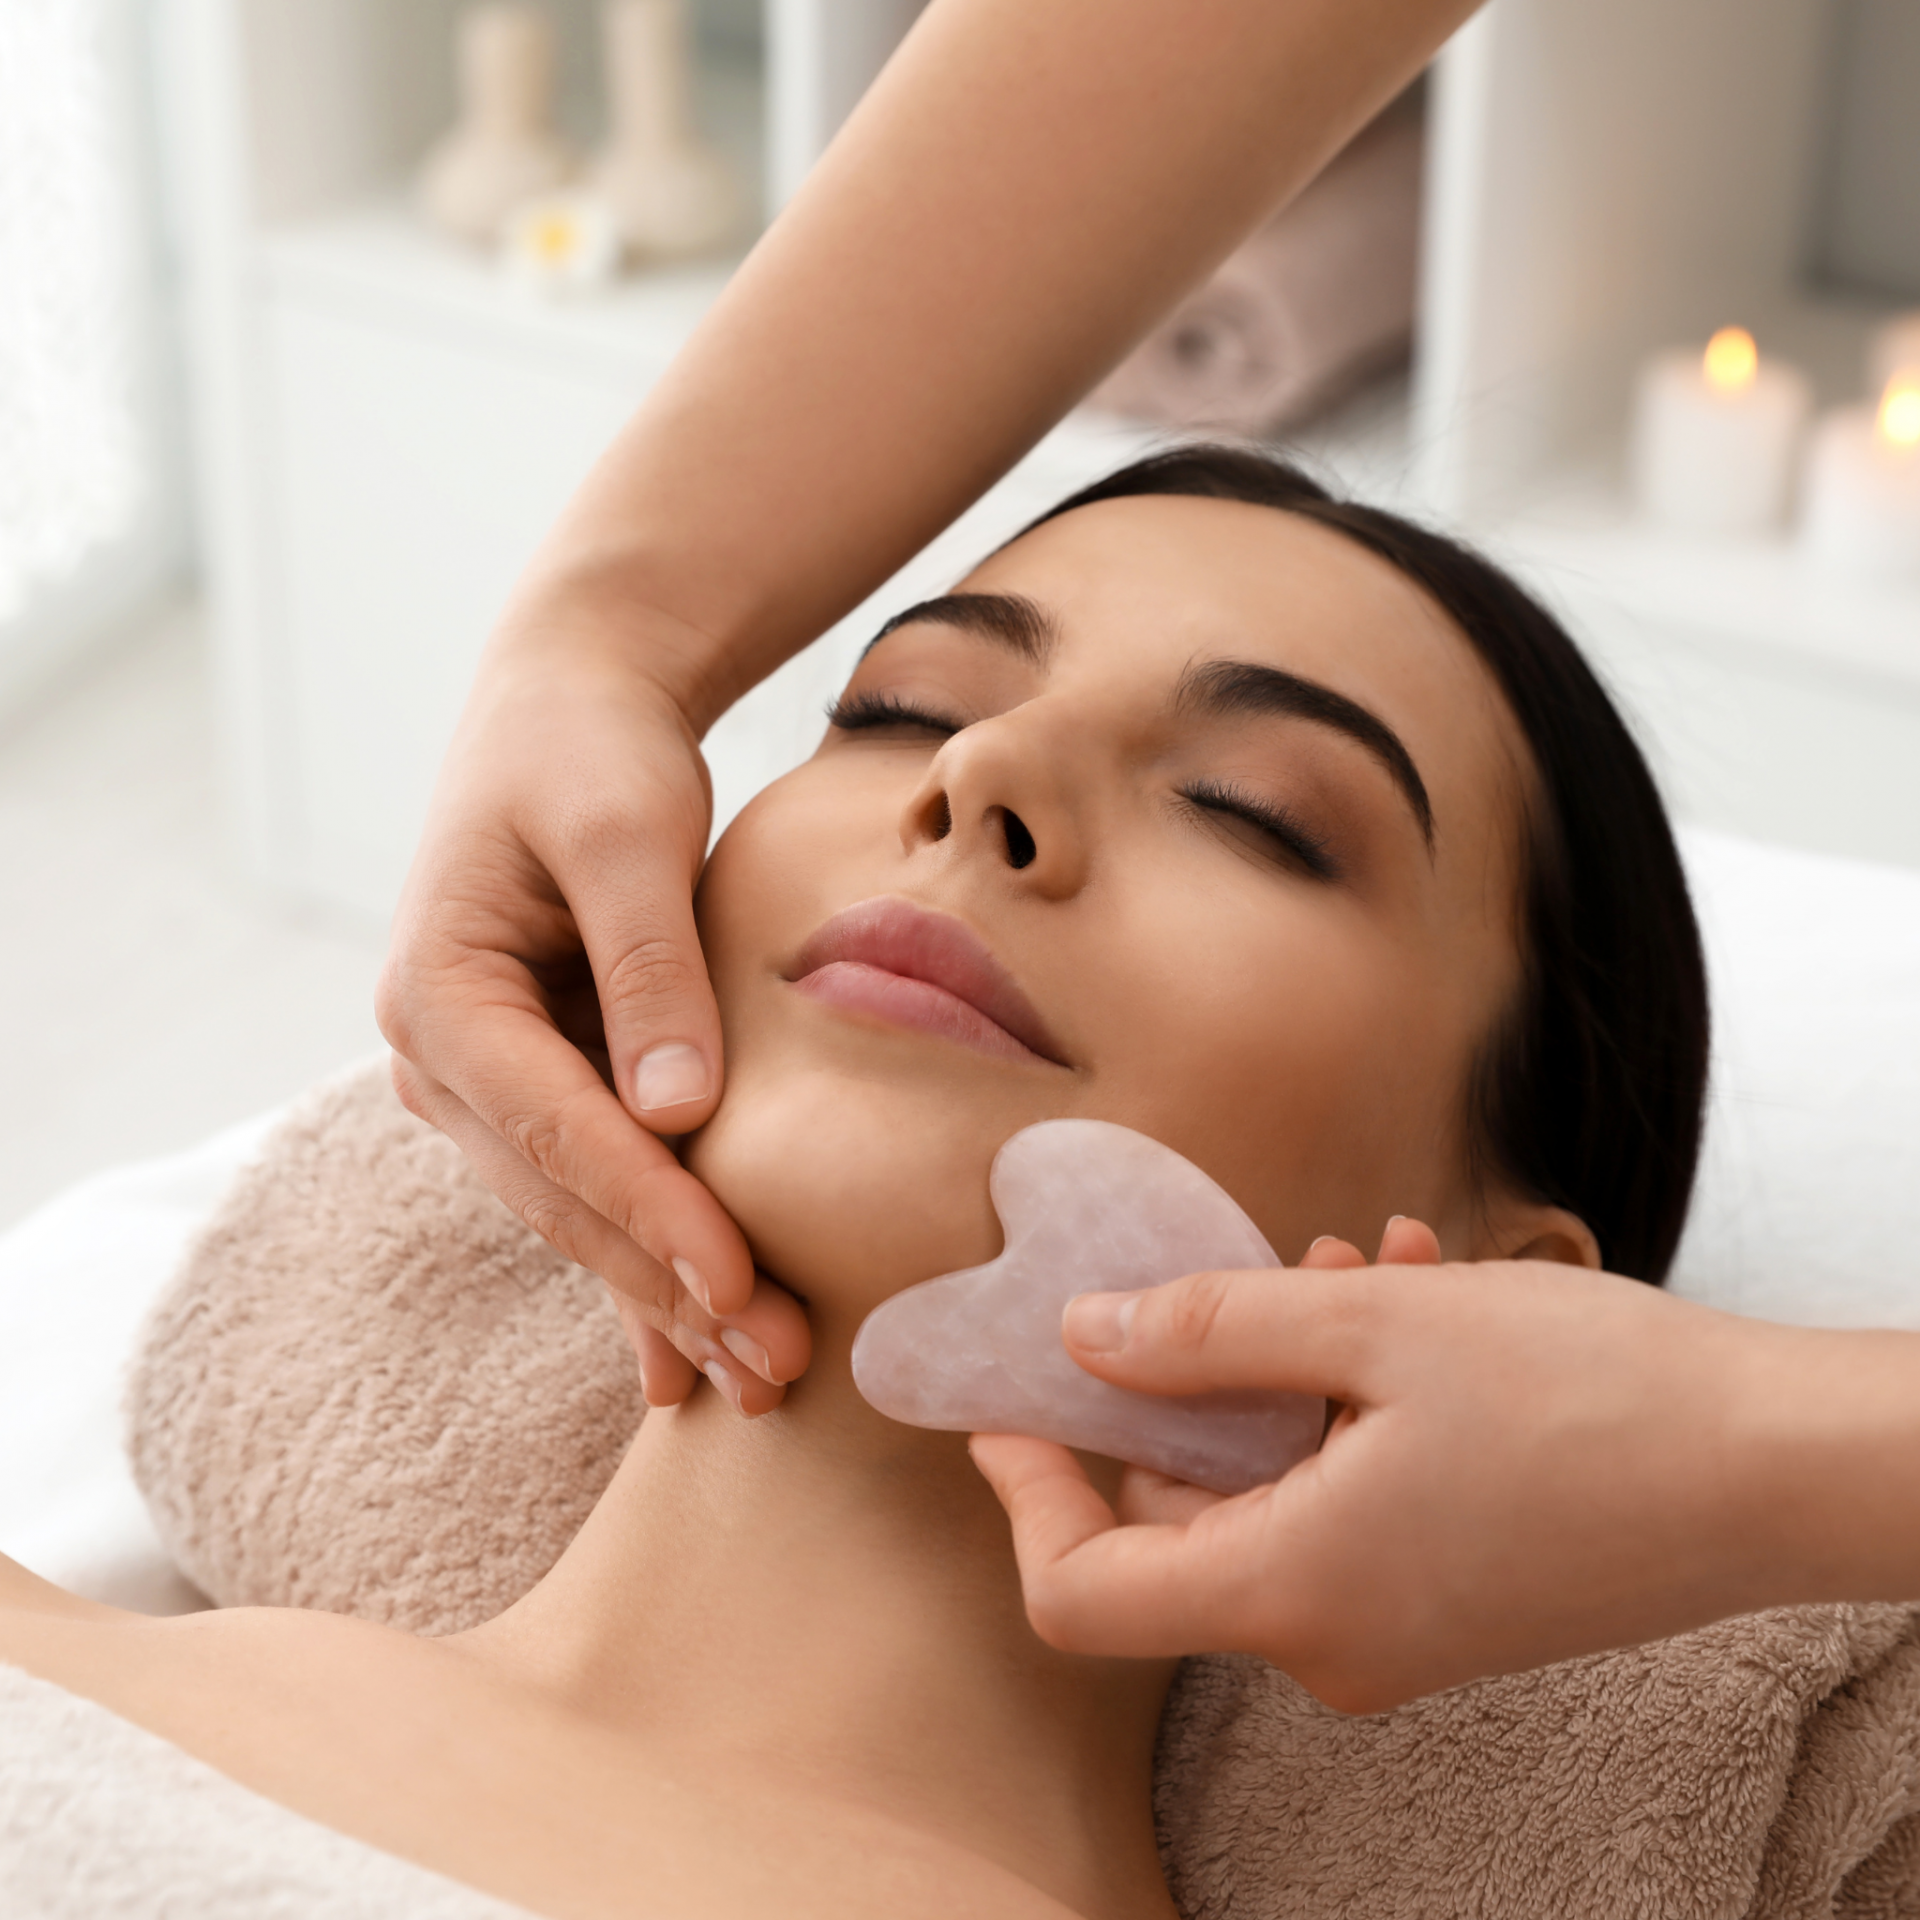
pixel 372 1390
pixel 1318 300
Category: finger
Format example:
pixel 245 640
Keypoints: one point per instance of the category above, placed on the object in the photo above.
pixel 1408 1243
pixel 771 1334
pixel 666 1374
pixel 745 1392
pixel 499 1057
pixel 1044 1489
pixel 1328 1251
pixel 1302 1331
pixel 634 912
pixel 1160 1500
pixel 1092 1585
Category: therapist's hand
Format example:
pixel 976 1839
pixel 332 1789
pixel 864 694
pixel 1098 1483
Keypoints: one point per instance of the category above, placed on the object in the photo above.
pixel 1022 194
pixel 1529 1462
pixel 549 1008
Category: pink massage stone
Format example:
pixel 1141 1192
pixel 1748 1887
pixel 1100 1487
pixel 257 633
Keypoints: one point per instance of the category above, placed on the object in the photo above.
pixel 1087 1207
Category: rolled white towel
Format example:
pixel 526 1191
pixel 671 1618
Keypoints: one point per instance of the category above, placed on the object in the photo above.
pixel 1319 299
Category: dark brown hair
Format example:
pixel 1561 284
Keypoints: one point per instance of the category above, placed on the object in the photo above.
pixel 1591 1092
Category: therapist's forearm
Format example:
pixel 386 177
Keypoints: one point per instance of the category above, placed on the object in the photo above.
pixel 1030 185
pixel 1832 1463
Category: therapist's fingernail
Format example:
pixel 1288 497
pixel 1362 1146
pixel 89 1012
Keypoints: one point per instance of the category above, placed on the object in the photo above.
pixel 725 1381
pixel 694 1281
pixel 1100 1322
pixel 670 1076
pixel 1321 1242
pixel 749 1352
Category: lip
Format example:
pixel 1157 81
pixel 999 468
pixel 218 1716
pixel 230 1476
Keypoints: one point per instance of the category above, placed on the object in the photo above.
pixel 911 967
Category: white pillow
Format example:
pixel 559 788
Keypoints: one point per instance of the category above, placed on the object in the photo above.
pixel 76 1279
pixel 1808 1208
pixel 1808 1205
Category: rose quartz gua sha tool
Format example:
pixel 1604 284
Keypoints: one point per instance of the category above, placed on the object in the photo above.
pixel 1087 1207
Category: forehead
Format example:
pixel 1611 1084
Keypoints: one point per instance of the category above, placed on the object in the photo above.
pixel 1138 589
pixel 1164 576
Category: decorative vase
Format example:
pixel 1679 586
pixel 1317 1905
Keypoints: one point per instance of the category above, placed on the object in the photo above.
pixel 670 193
pixel 504 148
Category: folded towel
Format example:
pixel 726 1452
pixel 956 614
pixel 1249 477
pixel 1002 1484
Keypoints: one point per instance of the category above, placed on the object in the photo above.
pixel 1321 298
pixel 371 1389
pixel 1767 1766
pixel 102 1820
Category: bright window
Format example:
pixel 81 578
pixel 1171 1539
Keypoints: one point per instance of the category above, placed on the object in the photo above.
pixel 75 459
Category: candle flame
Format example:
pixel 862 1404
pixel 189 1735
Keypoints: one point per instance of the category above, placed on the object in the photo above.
pixel 1732 360
pixel 553 237
pixel 1900 409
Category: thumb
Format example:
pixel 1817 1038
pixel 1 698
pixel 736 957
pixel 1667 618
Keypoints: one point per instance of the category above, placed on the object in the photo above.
pixel 662 1026
pixel 1268 1330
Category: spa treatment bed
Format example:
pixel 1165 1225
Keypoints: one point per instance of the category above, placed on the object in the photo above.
pixel 1765 1766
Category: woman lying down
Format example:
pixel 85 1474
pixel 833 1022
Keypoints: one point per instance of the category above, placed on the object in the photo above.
pixel 1274 828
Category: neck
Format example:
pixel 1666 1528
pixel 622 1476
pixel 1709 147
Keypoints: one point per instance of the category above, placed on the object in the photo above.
pixel 823 1584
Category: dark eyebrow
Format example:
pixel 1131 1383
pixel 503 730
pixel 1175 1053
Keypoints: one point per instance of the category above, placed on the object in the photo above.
pixel 1009 620
pixel 1241 686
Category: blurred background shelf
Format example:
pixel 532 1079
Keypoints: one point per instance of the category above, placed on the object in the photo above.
pixel 377 266
pixel 380 425
pixel 388 423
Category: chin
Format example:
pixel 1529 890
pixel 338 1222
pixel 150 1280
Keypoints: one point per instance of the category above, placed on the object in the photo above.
pixel 850 1188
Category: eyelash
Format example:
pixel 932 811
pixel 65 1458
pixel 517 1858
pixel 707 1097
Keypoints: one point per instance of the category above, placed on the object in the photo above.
pixel 860 712
pixel 1310 849
pixel 863 712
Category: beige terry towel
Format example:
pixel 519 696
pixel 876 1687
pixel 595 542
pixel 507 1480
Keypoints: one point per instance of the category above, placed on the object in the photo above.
pixel 371 1389
pixel 1317 301
pixel 1767 1766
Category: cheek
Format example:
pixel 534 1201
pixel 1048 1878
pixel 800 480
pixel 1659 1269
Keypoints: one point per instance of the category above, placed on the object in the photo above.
pixel 855 1165
pixel 767 873
pixel 1310 1065
pixel 849 1189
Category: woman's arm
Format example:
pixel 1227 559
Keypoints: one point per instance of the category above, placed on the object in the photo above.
pixel 1026 189
pixel 1531 1463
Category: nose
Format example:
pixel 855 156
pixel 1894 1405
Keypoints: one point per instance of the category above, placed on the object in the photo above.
pixel 1002 792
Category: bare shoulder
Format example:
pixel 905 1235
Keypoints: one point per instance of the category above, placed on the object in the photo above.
pixel 25 1594
pixel 158 1670
pixel 418 1749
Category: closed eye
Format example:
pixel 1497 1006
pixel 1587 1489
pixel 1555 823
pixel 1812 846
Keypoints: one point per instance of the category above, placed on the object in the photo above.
pixel 866 712
pixel 1283 830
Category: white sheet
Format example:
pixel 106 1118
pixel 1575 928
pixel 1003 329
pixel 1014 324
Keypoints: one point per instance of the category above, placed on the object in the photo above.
pixel 1808 1208
pixel 76 1278
pixel 101 1820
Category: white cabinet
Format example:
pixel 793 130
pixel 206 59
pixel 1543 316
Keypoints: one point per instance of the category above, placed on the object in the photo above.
pixel 1608 178
pixel 390 425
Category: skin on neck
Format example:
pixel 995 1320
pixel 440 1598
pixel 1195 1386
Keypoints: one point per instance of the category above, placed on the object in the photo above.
pixel 1235 810
pixel 826 1595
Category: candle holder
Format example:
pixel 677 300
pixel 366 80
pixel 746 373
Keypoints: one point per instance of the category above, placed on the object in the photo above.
pixel 670 194
pixel 503 150
pixel 1716 436
pixel 559 244
pixel 1862 489
pixel 1894 349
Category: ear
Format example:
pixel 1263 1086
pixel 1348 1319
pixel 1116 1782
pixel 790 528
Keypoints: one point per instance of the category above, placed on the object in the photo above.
pixel 1527 1230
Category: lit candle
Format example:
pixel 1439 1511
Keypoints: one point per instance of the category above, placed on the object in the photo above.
pixel 562 243
pixel 1863 484
pixel 1715 437
pixel 1895 345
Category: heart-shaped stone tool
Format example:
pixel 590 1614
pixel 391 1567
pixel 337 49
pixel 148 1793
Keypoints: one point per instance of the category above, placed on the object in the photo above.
pixel 1087 1207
